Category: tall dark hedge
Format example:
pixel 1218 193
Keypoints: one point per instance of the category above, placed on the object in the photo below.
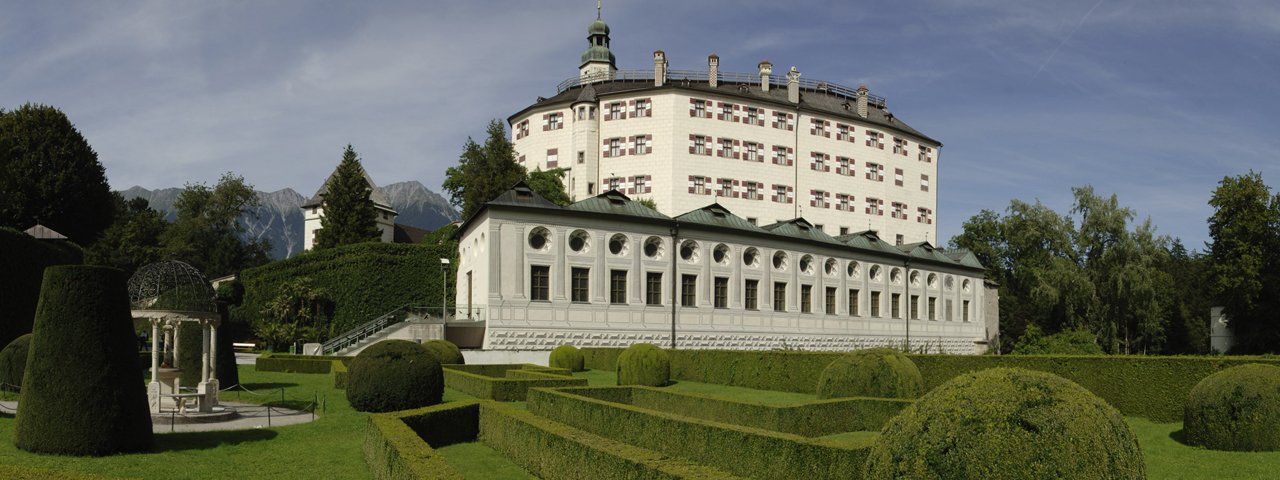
pixel 873 372
pixel 24 259
pixel 190 361
pixel 1007 423
pixel 394 375
pixel 83 392
pixel 364 280
pixel 1235 409
pixel 13 361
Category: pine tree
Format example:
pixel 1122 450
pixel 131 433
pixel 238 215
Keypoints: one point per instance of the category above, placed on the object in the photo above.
pixel 349 213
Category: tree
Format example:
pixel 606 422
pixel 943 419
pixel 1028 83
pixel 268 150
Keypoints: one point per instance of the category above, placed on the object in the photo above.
pixel 207 233
pixel 349 213
pixel 50 175
pixel 483 172
pixel 300 312
pixel 550 185
pixel 648 202
pixel 1244 260
pixel 133 240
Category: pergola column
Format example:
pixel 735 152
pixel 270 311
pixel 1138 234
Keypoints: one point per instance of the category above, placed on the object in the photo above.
pixel 213 351
pixel 204 353
pixel 155 349
pixel 177 341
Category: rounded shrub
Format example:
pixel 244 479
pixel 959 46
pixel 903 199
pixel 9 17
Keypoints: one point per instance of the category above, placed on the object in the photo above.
pixel 444 352
pixel 13 361
pixel 644 364
pixel 1235 409
pixel 83 393
pixel 394 375
pixel 874 372
pixel 567 356
pixel 1007 423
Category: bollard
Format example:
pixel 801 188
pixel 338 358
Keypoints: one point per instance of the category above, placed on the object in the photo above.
pixel 268 416
pixel 281 394
pixel 173 421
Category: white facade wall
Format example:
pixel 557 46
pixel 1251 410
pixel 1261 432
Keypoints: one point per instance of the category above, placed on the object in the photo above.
pixel 495 252
pixel 669 166
pixel 311 224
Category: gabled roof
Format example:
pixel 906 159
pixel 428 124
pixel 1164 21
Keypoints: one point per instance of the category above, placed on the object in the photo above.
pixel 617 203
pixel 588 94
pixel 924 250
pixel 44 233
pixel 801 228
pixel 715 215
pixel 379 199
pixel 964 257
pixel 521 195
pixel 868 239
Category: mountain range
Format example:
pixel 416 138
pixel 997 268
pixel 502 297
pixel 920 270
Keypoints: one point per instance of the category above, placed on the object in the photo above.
pixel 278 217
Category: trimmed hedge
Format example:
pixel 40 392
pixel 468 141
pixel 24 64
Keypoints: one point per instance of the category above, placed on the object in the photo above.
pixel 567 356
pixel 745 451
pixel 644 364
pixel 225 362
pixel 394 375
pixel 339 374
pixel 13 361
pixel 491 382
pixel 553 450
pixel 874 372
pixel 395 451
pixel 444 351
pixel 24 259
pixel 83 392
pixel 1007 423
pixel 271 362
pixel 1236 409
pixel 808 419
pixel 364 280
pixel 1143 386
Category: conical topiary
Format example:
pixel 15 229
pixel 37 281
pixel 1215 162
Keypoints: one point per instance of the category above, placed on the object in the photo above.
pixel 83 393
pixel 13 361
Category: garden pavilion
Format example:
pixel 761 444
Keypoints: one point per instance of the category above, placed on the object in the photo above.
pixel 171 296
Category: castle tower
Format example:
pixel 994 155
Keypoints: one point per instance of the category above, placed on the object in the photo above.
pixel 597 62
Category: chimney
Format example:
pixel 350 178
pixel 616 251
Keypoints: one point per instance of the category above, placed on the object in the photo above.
pixel 766 69
pixel 793 85
pixel 713 70
pixel 659 68
pixel 862 101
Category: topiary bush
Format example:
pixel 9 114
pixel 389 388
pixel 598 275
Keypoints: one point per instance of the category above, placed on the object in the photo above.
pixel 1007 423
pixel 567 356
pixel 644 364
pixel 394 375
pixel 444 351
pixel 13 361
pixel 82 393
pixel 1235 409
pixel 24 259
pixel 874 372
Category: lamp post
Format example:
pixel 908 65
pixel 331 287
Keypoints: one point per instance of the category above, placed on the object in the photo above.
pixel 444 288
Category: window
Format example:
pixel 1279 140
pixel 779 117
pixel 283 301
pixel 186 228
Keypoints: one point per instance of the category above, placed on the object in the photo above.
pixel 873 139
pixel 618 287
pixel 819 128
pixel 964 310
pixel 933 308
pixel 806 299
pixel 924 215
pixel 751 293
pixel 726 187
pixel 753 152
pixel 897 177
pixel 688 290
pixel 925 154
pixel 875 304
pixel 924 183
pixel 613 183
pixel 853 302
pixel 615 147
pixel 582 157
pixel 582 113
pixel 780 296
pixel 831 300
pixel 819 162
pixel 782 155
pixel 873 207
pixel 522 129
pixel 700 109
pixel 753 191
pixel 842 204
pixel 653 288
pixel 899 211
pixel 556 121
pixel 842 131
pixel 752 220
pixel 782 121
pixel 641 184
pixel 539 282
pixel 899 146
pixel 553 157
pixel 721 292
pixel 875 172
pixel 915 307
pixel 615 111
pixel 753 116
pixel 643 108
pixel 699 145
pixel 698 185
pixel 895 308
pixel 899 239
pixel 726 148
pixel 844 166
pixel 726 112
pixel 819 199
pixel 580 280
pixel 782 194
pixel 642 145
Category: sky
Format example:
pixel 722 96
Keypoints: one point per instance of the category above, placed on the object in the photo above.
pixel 1154 101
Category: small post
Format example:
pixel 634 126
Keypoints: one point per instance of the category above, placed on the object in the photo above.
pixel 173 420
pixel 268 416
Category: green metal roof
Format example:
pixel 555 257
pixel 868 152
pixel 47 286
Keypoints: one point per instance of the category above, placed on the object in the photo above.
pixel 715 215
pixel 867 239
pixel 598 27
pixel 801 228
pixel 616 203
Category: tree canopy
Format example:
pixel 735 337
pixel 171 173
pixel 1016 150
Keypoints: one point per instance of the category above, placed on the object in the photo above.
pixel 349 213
pixel 207 233
pixel 133 240
pixel 50 175
pixel 550 184
pixel 483 172
pixel 1245 259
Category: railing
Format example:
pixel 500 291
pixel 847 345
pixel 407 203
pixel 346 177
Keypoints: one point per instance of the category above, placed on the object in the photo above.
pixel 372 327
pixel 821 86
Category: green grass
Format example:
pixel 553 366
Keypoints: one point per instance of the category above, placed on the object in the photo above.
pixel 601 378
pixel 477 460
pixel 1168 458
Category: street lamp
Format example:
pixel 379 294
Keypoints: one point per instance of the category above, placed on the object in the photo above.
pixel 444 288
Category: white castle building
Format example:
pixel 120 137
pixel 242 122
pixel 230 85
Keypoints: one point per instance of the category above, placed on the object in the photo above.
pixel 772 196
pixel 313 211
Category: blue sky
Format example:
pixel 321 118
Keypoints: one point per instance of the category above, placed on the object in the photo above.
pixel 1155 101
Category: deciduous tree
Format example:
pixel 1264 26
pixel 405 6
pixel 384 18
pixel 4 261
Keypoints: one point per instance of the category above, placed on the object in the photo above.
pixel 1245 260
pixel 207 233
pixel 483 172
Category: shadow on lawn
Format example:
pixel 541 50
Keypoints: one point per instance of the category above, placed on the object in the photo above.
pixel 268 385
pixel 176 442
pixel 1179 436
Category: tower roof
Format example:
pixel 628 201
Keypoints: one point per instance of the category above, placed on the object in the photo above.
pixel 379 199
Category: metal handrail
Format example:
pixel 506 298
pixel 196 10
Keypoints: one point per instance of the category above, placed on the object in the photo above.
pixel 355 335
pixel 814 85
